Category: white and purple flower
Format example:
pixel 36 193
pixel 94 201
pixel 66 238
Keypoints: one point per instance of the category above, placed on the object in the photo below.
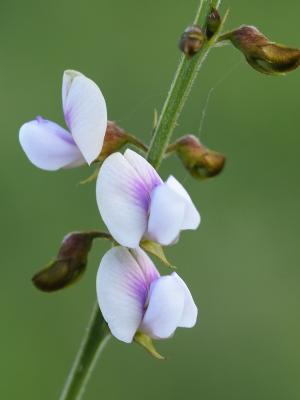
pixel 133 297
pixel 49 146
pixel 135 203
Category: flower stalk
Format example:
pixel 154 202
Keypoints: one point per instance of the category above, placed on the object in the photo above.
pixel 96 336
pixel 180 89
pixel 97 333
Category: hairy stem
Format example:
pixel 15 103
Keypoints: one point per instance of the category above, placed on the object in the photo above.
pixel 180 89
pixel 96 336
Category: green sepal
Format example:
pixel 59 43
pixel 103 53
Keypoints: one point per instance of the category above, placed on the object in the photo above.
pixel 156 250
pixel 90 178
pixel 146 342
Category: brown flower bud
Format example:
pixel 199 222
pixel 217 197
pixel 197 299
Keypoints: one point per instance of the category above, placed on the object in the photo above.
pixel 70 262
pixel 191 40
pixel 262 54
pixel 213 23
pixel 115 139
pixel 200 162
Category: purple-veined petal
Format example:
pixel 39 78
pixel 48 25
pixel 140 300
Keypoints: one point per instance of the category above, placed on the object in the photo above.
pixel 85 113
pixel 145 170
pixel 191 218
pixel 167 211
pixel 123 200
pixel 165 308
pixel 48 146
pixel 190 311
pixel 144 261
pixel 122 290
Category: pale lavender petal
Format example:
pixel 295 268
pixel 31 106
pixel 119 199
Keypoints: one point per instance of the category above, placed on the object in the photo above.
pixel 123 200
pixel 191 218
pixel 190 311
pixel 85 113
pixel 145 170
pixel 149 270
pixel 166 215
pixel 165 308
pixel 48 146
pixel 122 292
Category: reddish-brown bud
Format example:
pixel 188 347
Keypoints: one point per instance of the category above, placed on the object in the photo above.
pixel 213 23
pixel 115 139
pixel 262 54
pixel 70 262
pixel 191 40
pixel 200 162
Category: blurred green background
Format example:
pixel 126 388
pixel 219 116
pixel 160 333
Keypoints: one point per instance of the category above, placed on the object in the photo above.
pixel 242 264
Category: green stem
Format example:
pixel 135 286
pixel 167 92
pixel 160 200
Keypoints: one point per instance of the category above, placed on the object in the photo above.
pixel 97 333
pixel 180 89
pixel 94 341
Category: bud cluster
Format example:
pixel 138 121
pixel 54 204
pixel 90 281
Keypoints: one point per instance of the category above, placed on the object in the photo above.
pixel 194 37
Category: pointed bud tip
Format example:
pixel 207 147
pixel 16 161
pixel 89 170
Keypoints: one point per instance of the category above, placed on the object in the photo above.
pixel 214 163
pixel 263 55
pixel 200 162
pixel 70 262
pixel 58 275
pixel 213 22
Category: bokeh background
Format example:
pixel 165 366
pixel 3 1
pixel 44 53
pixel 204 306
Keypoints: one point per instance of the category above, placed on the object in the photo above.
pixel 242 264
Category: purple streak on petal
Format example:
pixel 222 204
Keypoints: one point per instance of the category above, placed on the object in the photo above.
pixel 148 271
pixel 140 290
pixel 142 192
pixel 65 138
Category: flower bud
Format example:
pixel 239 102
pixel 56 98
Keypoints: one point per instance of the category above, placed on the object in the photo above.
pixel 191 40
pixel 213 23
pixel 70 262
pixel 262 54
pixel 115 139
pixel 200 162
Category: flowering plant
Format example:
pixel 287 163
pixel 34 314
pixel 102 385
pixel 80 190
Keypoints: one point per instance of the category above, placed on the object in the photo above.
pixel 141 212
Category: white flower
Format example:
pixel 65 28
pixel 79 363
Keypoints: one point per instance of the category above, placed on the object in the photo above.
pixel 51 147
pixel 133 297
pixel 134 202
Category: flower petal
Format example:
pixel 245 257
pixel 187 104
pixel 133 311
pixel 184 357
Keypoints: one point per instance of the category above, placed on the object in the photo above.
pixel 48 146
pixel 121 293
pixel 191 218
pixel 165 308
pixel 145 170
pixel 144 261
pixel 167 211
pixel 190 311
pixel 85 113
pixel 123 200
pixel 122 289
